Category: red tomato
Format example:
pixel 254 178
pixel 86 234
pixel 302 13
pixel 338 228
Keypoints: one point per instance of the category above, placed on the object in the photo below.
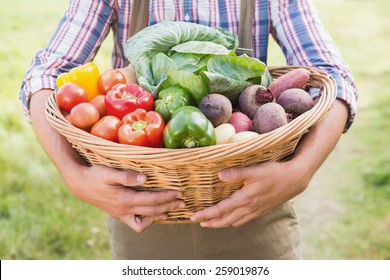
pixel 84 115
pixel 110 78
pixel 99 102
pixel 107 128
pixel 69 95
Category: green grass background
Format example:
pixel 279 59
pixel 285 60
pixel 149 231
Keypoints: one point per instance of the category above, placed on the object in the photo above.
pixel 39 219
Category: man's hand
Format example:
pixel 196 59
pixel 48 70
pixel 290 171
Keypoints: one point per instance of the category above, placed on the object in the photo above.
pixel 268 185
pixel 111 191
pixel 129 73
pixel 106 188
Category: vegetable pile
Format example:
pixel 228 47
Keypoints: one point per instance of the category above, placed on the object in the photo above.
pixel 193 91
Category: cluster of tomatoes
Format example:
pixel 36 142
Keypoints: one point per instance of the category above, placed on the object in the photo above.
pixel 120 112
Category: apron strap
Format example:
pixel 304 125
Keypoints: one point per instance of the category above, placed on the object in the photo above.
pixel 247 10
pixel 139 16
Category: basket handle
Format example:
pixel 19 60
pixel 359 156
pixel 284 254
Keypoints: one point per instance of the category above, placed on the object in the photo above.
pixel 140 19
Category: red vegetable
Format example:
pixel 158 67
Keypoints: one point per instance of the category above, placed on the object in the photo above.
pixel 142 128
pixel 69 95
pixel 110 78
pixel 296 78
pixel 107 128
pixel 84 115
pixel 252 97
pixel 126 98
pixel 295 101
pixel 99 101
pixel 241 122
pixel 268 117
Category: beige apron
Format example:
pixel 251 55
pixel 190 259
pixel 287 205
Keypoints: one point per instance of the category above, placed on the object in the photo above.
pixel 273 236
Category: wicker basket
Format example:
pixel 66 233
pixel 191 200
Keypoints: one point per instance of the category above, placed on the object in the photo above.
pixel 195 171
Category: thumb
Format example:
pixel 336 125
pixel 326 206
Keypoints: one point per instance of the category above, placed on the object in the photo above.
pixel 128 178
pixel 231 175
pixel 239 174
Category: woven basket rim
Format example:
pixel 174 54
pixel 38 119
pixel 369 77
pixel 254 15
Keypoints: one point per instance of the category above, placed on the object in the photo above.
pixel 293 129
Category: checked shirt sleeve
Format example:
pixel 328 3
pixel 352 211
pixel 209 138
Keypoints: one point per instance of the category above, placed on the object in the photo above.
pixel 75 41
pixel 305 41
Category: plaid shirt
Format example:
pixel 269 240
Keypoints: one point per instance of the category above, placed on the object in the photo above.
pixel 295 26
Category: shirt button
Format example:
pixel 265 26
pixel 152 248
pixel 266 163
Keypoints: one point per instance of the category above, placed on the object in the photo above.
pixel 187 17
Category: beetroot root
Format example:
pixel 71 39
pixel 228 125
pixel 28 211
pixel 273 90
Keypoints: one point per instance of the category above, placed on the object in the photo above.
pixel 295 101
pixel 252 97
pixel 241 122
pixel 268 117
pixel 296 78
pixel 217 108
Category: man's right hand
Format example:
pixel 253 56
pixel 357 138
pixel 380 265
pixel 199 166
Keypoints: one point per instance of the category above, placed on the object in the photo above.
pixel 106 188
pixel 110 190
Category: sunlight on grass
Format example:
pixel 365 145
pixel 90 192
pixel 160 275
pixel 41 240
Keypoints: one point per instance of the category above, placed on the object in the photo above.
pixel 39 219
pixel 358 223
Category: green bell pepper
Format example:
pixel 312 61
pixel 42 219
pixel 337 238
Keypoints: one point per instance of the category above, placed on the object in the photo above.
pixel 170 99
pixel 189 128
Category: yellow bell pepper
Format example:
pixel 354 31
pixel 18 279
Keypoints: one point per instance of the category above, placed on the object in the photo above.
pixel 85 76
pixel 62 79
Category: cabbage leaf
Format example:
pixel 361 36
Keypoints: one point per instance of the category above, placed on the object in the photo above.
pixel 198 58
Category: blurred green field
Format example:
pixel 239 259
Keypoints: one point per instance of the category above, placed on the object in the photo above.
pixel 345 213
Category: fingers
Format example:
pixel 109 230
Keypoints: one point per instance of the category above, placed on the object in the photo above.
pixel 137 223
pixel 214 216
pixel 129 73
pixel 235 219
pixel 228 205
pixel 128 178
pixel 237 174
pixel 146 198
pixel 248 173
pixel 141 217
pixel 158 209
pixel 145 203
pixel 119 200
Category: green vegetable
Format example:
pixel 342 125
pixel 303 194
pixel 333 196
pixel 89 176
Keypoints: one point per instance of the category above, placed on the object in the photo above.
pixel 198 58
pixel 162 37
pixel 189 128
pixel 171 99
pixel 161 64
pixel 231 74
pixel 190 82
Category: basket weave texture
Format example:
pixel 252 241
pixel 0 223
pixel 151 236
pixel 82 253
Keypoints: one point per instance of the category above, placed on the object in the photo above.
pixel 194 171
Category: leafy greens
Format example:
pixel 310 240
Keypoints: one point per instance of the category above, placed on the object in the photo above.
pixel 198 58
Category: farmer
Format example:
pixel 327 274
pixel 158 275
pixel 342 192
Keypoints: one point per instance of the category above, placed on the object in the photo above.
pixel 256 222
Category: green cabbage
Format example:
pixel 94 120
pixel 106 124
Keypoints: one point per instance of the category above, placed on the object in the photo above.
pixel 198 58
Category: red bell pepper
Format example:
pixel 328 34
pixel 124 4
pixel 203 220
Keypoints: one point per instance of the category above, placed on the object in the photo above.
pixel 125 98
pixel 142 128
